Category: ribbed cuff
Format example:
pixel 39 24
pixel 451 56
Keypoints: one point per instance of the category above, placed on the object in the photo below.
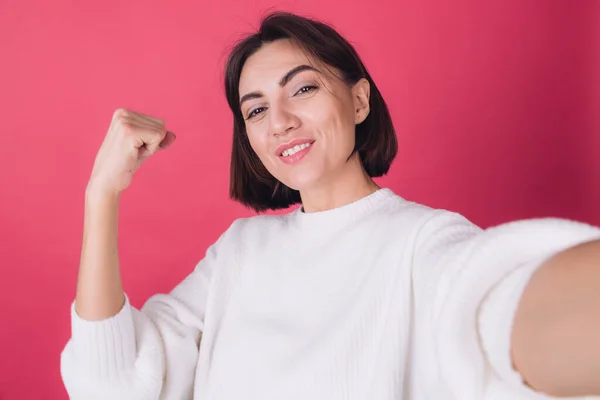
pixel 483 263
pixel 496 318
pixel 105 348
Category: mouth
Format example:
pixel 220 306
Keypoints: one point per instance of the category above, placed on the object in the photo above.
pixel 294 151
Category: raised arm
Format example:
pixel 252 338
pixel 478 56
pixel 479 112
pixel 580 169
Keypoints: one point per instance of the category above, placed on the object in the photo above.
pixel 116 351
pixel 130 140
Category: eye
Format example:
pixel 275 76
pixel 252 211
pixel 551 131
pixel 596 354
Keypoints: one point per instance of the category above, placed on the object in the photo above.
pixel 306 89
pixel 255 112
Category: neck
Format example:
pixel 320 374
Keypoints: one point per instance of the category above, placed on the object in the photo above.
pixel 350 184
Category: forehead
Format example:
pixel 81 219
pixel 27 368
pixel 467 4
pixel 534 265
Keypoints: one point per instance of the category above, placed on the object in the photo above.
pixel 270 63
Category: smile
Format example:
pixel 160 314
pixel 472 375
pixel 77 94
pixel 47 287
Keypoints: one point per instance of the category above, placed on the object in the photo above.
pixel 295 149
pixel 293 153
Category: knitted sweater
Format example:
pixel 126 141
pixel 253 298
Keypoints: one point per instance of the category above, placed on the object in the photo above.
pixel 381 299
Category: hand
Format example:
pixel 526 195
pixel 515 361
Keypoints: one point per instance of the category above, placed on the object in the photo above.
pixel 131 139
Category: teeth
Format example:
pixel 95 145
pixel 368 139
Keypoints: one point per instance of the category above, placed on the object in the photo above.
pixel 295 149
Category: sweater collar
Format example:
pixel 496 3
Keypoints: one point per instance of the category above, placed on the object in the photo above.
pixel 341 216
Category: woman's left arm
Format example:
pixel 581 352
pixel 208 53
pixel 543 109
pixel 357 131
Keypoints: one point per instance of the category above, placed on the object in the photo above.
pixel 511 311
pixel 555 341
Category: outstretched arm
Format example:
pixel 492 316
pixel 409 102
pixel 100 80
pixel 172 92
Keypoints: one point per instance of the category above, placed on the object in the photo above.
pixel 511 311
pixel 556 331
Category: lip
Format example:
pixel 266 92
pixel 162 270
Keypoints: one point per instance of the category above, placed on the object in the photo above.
pixel 296 157
pixel 296 142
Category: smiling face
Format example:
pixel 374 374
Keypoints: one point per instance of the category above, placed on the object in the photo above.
pixel 300 118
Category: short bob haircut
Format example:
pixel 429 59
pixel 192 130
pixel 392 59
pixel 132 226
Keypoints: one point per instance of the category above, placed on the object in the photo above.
pixel 250 182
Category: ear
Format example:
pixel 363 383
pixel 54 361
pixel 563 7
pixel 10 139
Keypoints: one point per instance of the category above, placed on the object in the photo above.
pixel 360 96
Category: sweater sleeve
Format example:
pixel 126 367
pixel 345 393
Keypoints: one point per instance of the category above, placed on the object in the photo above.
pixel 468 282
pixel 150 353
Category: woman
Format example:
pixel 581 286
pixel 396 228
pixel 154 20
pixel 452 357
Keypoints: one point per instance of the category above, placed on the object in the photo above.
pixel 358 293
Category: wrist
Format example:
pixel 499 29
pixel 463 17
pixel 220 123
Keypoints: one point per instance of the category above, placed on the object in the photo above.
pixel 97 194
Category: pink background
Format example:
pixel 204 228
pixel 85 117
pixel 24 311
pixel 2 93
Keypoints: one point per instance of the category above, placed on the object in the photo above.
pixel 497 109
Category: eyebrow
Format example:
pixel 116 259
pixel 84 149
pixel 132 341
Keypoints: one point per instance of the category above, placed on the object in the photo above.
pixel 282 82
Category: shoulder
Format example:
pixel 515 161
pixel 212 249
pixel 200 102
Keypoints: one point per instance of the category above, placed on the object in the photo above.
pixel 241 235
pixel 398 210
pixel 424 225
pixel 242 229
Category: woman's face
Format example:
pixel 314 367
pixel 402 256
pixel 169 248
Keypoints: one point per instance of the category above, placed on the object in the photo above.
pixel 300 118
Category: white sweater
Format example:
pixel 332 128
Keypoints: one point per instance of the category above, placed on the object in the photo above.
pixel 382 299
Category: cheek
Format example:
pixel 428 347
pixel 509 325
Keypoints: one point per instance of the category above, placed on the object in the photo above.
pixel 335 112
pixel 337 122
pixel 259 144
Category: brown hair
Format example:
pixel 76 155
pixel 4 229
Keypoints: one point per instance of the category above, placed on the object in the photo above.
pixel 250 182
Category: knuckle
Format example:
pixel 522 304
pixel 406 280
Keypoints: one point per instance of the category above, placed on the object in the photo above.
pixel 127 128
pixel 121 113
pixel 156 137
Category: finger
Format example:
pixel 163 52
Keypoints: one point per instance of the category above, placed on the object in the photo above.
pixel 147 121
pixel 150 118
pixel 137 119
pixel 152 139
pixel 167 141
pixel 146 141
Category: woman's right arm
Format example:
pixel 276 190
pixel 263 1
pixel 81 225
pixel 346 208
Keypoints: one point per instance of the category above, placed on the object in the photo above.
pixel 115 350
pixel 131 139
pixel 150 353
pixel 99 290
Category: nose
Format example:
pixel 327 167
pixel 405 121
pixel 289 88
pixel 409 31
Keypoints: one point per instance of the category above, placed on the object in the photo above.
pixel 282 120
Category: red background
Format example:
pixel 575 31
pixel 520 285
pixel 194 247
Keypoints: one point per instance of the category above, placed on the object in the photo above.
pixel 497 108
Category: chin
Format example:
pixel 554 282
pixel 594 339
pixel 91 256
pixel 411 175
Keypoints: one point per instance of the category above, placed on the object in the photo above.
pixel 301 181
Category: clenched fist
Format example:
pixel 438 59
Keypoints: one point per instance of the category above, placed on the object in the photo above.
pixel 131 139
